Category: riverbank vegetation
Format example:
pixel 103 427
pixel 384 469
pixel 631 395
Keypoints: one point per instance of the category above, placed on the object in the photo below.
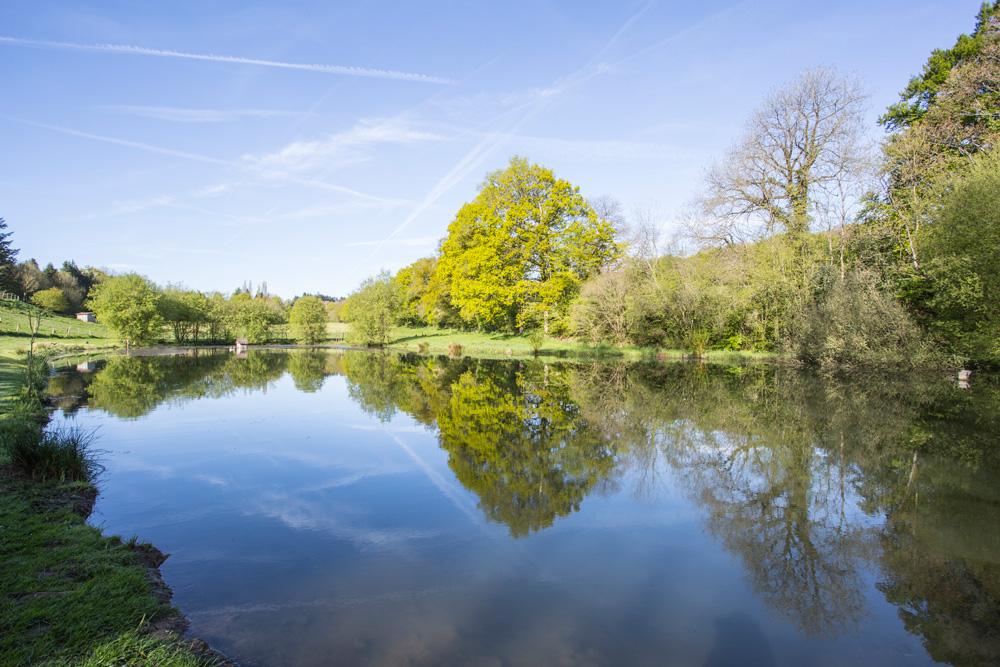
pixel 69 595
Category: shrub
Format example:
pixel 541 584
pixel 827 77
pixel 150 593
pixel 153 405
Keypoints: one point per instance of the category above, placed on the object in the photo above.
pixel 536 338
pixel 854 322
pixel 61 455
pixel 18 431
pixel 53 300
pixel 601 313
pixel 697 342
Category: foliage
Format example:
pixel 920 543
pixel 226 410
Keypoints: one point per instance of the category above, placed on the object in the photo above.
pixel 924 89
pixel 856 322
pixel 536 338
pixel 515 256
pixel 962 257
pixel 55 456
pixel 185 312
pixel 52 299
pixel 307 319
pixel 251 317
pixel 373 310
pixel 128 305
pixel 414 284
pixel 603 311
pixel 8 255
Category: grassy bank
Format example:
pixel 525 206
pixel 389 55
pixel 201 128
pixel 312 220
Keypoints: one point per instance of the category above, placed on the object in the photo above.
pixel 439 341
pixel 68 594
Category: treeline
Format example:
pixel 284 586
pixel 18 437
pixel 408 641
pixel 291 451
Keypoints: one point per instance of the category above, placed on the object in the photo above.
pixel 138 312
pixel 807 239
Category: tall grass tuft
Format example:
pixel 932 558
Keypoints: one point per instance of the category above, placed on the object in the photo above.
pixel 536 339
pixel 58 455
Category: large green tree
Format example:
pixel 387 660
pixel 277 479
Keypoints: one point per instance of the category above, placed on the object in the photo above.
pixel 373 310
pixel 946 116
pixel 923 90
pixel 515 256
pixel 307 319
pixel 251 317
pixel 128 305
pixel 962 286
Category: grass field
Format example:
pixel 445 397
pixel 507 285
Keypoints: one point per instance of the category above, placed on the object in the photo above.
pixel 476 343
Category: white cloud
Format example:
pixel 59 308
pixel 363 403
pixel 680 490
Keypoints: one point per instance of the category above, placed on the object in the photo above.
pixel 343 147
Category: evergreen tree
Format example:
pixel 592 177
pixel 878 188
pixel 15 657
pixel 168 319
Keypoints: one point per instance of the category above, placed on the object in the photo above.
pixel 8 261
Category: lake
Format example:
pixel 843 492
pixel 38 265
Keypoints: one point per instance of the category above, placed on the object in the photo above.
pixel 348 507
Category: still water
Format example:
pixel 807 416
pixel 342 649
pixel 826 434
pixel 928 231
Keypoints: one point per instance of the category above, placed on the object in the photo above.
pixel 364 508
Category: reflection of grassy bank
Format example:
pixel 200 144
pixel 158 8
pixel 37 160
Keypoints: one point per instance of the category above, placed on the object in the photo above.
pixel 69 595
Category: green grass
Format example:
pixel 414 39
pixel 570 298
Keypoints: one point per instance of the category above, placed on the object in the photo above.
pixel 67 589
pixel 136 648
pixel 63 455
pixel 482 344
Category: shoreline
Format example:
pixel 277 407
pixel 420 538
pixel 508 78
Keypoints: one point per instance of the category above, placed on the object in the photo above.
pixel 60 572
pixel 63 510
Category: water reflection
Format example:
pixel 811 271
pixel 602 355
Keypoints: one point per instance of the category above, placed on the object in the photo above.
pixel 816 486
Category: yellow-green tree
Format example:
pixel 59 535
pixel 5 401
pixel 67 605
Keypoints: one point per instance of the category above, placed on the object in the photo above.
pixel 52 299
pixel 307 319
pixel 373 310
pixel 129 306
pixel 515 256
pixel 414 282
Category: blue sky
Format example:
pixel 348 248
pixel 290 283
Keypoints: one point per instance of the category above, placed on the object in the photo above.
pixel 310 144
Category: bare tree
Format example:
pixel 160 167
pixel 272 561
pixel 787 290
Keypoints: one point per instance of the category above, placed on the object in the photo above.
pixel 839 199
pixel 801 139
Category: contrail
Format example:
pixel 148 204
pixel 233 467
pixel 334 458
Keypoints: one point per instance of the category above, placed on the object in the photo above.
pixel 345 70
pixel 452 494
pixel 475 156
pixel 197 157
pixel 591 69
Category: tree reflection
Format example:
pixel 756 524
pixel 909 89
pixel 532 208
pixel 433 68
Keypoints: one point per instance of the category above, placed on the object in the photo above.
pixel 519 443
pixel 132 386
pixel 512 432
pixel 308 369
